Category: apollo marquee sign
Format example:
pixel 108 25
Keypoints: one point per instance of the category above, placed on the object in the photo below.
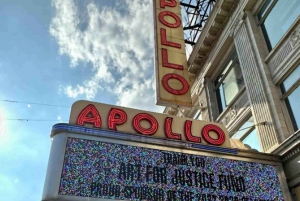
pixel 108 117
pixel 173 87
pixel 108 152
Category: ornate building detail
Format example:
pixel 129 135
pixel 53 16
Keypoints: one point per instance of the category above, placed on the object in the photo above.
pixel 295 37
pixel 171 111
pixel 229 116
pixel 280 55
pixel 232 113
pixel 291 154
pixel 260 106
pixel 257 6
pixel 286 48
pixel 201 85
pixel 192 77
pixel 224 121
pixel 237 24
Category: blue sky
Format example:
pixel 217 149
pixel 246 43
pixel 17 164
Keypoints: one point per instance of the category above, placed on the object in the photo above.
pixel 57 52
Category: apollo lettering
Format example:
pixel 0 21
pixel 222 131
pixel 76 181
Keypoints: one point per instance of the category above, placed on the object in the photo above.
pixel 117 117
pixel 164 52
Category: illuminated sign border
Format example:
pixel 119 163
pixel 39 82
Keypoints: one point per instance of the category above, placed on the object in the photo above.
pixel 62 127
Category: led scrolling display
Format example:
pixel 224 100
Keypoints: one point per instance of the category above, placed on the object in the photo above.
pixel 122 172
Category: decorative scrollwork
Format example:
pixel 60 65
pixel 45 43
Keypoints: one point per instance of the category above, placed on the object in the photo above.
pixel 295 37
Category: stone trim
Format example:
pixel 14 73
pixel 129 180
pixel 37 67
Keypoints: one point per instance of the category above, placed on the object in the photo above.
pixel 295 37
pixel 258 6
pixel 288 51
pixel 292 153
pixel 284 38
pixel 288 144
pixel 231 107
pixel 210 33
pixel 237 24
pixel 257 96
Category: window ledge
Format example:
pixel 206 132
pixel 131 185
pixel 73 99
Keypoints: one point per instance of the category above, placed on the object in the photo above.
pixel 229 106
pixel 288 144
pixel 282 40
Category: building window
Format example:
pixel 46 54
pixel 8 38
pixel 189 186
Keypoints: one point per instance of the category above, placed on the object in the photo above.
pixel 248 135
pixel 291 95
pixel 229 83
pixel 276 17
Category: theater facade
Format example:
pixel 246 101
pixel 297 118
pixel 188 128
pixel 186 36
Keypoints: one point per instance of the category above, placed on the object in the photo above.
pixel 107 153
pixel 245 69
pixel 230 128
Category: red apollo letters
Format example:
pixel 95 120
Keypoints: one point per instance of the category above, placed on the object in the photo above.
pixel 118 117
pixel 164 52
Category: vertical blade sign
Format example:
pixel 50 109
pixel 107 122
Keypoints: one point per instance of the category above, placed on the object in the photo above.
pixel 172 80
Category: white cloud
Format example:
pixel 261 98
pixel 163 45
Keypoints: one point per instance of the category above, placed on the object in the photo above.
pixel 59 118
pixel 28 105
pixel 119 45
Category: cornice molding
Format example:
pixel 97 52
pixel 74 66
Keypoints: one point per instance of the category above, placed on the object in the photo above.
pixel 292 153
pixel 236 25
pixel 288 146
